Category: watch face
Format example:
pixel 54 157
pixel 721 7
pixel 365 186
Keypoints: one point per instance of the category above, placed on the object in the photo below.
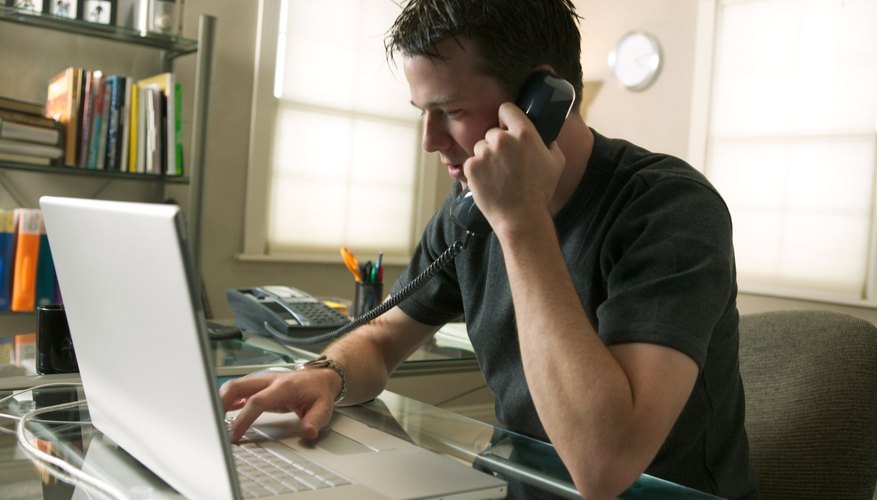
pixel 636 60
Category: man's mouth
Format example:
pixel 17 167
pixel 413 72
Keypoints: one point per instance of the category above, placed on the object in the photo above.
pixel 455 170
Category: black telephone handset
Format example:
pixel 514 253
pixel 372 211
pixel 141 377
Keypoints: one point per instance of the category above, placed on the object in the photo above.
pixel 547 101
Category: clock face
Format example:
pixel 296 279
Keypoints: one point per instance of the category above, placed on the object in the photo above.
pixel 636 60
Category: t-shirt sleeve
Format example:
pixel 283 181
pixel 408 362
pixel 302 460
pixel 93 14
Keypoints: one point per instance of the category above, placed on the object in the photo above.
pixel 439 300
pixel 668 263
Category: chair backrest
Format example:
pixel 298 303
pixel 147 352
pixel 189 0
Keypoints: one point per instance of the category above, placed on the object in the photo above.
pixel 811 403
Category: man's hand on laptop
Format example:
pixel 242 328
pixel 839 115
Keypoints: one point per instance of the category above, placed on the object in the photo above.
pixel 308 393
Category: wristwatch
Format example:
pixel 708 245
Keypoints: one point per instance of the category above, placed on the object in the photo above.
pixel 324 362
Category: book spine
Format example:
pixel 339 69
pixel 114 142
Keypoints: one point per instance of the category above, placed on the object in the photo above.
pixel 30 108
pixel 103 133
pixel 30 133
pixel 134 119
pixel 7 256
pixel 32 149
pixel 91 78
pixel 153 130
pixel 125 128
pixel 38 121
pixel 28 159
pixel 178 129
pixel 115 92
pixel 62 104
pixel 27 251
pixel 98 114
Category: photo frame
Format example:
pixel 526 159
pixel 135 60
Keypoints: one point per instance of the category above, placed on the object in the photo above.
pixel 99 11
pixel 33 6
pixel 64 8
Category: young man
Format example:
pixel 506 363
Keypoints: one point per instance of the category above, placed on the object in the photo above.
pixel 601 308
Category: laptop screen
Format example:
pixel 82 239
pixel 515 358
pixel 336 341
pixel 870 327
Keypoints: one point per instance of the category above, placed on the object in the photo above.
pixel 137 324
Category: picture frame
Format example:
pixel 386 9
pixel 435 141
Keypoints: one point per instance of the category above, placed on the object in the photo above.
pixel 99 11
pixel 32 6
pixel 64 8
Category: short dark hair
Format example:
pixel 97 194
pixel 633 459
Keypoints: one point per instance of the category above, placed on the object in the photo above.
pixel 511 36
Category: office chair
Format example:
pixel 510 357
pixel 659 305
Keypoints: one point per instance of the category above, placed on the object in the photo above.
pixel 811 403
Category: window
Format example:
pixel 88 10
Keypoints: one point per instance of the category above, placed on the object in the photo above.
pixel 335 145
pixel 791 123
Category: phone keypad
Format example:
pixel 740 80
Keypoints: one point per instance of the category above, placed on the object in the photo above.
pixel 318 313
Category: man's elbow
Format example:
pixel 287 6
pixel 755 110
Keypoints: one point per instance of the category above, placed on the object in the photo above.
pixel 604 481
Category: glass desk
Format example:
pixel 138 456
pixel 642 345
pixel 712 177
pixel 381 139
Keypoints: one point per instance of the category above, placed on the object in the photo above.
pixel 531 466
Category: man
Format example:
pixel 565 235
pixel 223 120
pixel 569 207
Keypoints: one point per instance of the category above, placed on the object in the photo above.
pixel 601 308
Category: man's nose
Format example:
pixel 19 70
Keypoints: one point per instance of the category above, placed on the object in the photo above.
pixel 435 134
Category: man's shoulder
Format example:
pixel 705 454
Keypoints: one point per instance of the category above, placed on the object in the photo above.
pixel 626 162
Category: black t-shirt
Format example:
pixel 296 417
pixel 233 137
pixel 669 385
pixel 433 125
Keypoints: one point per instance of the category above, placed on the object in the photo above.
pixel 648 243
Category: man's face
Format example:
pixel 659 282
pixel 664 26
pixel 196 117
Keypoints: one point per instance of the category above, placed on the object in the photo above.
pixel 459 105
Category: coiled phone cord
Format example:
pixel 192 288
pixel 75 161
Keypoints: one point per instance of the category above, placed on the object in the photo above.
pixel 416 284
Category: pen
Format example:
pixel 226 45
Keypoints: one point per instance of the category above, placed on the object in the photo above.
pixel 367 272
pixel 377 273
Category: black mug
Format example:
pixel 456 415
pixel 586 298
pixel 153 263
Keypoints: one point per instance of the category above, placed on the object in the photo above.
pixel 55 352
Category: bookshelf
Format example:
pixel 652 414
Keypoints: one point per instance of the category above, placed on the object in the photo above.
pixel 169 49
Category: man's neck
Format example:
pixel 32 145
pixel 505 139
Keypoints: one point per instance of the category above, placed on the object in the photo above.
pixel 576 141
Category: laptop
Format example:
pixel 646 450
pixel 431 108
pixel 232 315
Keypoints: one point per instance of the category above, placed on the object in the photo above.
pixel 140 337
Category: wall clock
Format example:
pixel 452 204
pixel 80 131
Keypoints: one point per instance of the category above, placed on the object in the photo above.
pixel 636 60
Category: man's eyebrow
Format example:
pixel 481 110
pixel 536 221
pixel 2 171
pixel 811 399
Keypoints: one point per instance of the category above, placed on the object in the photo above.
pixel 441 101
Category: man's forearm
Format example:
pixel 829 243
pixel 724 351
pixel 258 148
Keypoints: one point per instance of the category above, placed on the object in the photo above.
pixel 582 394
pixel 371 353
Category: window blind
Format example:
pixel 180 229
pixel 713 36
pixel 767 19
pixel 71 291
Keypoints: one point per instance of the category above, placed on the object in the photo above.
pixel 791 140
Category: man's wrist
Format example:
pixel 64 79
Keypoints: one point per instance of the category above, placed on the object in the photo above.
pixel 325 362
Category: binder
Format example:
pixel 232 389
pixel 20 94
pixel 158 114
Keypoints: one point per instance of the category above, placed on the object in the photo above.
pixel 27 251
pixel 7 256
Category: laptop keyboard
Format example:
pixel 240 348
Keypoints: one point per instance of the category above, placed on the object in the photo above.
pixel 269 468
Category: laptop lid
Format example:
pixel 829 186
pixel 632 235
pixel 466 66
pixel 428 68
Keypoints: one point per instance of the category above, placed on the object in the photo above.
pixel 137 322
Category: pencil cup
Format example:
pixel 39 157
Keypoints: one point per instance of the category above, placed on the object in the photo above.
pixel 54 346
pixel 368 296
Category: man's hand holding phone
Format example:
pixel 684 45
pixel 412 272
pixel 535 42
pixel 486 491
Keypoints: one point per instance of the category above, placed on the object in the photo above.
pixel 512 173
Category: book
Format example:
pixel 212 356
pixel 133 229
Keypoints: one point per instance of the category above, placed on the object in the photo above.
pixel 27 159
pixel 125 119
pixel 30 108
pixel 116 90
pixel 46 278
pixel 134 130
pixel 27 119
pixel 7 256
pixel 96 123
pixel 30 133
pixel 62 105
pixel 27 252
pixel 30 149
pixel 165 84
pixel 92 83
pixel 178 130
pixel 104 125
pixel 152 130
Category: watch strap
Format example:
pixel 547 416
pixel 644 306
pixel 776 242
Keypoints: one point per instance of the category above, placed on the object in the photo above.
pixel 325 362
